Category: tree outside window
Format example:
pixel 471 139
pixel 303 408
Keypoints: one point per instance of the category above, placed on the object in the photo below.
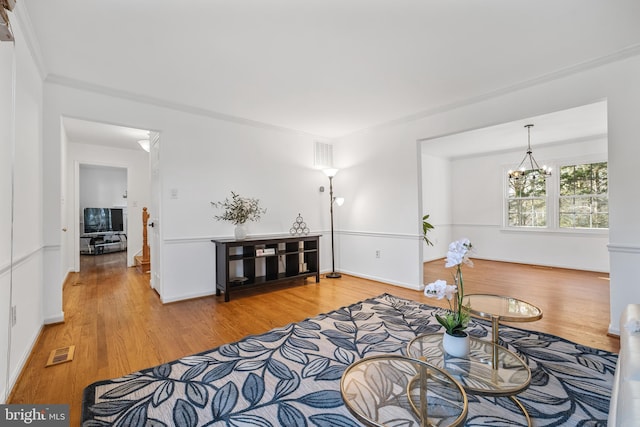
pixel 584 199
pixel 527 200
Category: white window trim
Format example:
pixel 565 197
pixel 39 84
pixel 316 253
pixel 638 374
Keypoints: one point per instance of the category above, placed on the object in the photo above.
pixel 552 199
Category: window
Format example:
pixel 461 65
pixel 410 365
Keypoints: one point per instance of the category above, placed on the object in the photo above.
pixel 574 198
pixel 583 200
pixel 527 200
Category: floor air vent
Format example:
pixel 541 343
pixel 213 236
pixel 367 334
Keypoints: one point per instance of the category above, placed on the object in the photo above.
pixel 61 355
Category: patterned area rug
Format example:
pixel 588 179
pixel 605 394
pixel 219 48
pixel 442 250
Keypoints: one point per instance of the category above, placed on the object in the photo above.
pixel 290 376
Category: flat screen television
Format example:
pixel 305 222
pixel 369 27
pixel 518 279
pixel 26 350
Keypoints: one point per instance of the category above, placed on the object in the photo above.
pixel 117 223
pixel 102 220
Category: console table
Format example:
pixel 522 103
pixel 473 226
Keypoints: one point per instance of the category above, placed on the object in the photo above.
pixel 261 260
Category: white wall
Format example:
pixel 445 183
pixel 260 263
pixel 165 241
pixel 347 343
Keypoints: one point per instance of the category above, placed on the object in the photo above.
pixel 21 268
pixel 202 159
pixel 379 181
pixel 437 202
pixel 390 151
pixel 132 175
pixel 101 187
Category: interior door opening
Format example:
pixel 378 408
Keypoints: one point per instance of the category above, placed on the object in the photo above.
pixel 102 213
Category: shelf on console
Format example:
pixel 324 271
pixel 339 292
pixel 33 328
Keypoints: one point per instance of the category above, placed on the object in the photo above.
pixel 293 257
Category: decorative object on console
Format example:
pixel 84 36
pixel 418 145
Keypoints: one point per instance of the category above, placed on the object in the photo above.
pixel 240 232
pixel 532 168
pixel 239 210
pixel 331 173
pixel 299 227
pixel 455 322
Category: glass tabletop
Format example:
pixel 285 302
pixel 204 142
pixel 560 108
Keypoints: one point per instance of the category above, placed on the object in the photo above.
pixel 388 390
pixel 507 309
pixel 476 372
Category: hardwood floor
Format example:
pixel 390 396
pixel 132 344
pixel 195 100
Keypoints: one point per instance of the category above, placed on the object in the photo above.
pixel 118 324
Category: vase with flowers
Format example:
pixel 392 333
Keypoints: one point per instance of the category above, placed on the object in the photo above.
pixel 238 210
pixel 456 339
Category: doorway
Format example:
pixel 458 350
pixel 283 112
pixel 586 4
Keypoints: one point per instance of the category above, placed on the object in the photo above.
pixel 119 181
pixel 102 213
pixel 464 187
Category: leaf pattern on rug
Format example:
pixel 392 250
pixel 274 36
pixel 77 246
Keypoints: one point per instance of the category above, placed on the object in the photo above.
pixel 290 376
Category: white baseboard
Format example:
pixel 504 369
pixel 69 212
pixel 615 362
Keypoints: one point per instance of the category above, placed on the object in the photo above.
pixel 382 280
pixel 15 374
pixel 187 297
pixel 613 330
pixel 59 318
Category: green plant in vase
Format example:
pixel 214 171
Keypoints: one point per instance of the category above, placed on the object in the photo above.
pixel 238 210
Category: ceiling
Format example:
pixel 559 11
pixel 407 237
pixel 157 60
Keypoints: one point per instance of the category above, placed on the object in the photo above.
pixel 324 67
pixel 86 132
pixel 572 125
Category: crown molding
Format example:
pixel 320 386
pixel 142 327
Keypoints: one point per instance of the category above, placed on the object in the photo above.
pixel 24 21
pixel 163 103
pixel 548 144
pixel 628 52
pixel 622 54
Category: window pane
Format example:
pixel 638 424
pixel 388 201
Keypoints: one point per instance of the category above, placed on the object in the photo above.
pixel 527 213
pixel 601 221
pixel 589 178
pixel 589 206
pixel 529 185
pixel 584 212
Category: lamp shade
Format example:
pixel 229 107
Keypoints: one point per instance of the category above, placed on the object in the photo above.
pixel 331 172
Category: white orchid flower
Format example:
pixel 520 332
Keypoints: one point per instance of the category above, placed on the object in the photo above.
pixel 440 289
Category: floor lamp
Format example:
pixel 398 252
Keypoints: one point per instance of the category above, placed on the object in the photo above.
pixel 331 173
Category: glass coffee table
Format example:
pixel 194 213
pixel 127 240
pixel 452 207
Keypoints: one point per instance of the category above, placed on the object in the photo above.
pixel 391 390
pixel 489 369
pixel 500 308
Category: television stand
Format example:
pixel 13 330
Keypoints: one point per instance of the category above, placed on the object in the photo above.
pixel 103 243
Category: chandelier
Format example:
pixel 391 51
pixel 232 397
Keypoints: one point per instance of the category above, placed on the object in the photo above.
pixel 528 166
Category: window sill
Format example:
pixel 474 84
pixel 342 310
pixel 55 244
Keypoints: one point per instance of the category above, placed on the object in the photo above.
pixel 574 232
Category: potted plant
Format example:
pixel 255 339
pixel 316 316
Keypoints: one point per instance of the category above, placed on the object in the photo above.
pixel 456 339
pixel 238 211
pixel 426 227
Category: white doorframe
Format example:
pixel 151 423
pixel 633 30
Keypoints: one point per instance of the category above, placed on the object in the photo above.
pixel 155 213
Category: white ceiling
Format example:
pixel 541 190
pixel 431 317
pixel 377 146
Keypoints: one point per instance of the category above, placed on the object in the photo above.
pixel 325 67
pixel 85 132
pixel 571 125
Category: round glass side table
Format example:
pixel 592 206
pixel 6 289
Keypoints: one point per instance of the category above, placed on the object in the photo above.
pixel 489 369
pixel 387 390
pixel 499 308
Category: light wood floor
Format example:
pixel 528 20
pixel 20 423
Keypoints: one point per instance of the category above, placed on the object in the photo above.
pixel 118 324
